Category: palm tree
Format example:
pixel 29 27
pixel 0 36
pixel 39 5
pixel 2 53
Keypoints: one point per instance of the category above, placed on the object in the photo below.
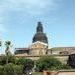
pixel 7 51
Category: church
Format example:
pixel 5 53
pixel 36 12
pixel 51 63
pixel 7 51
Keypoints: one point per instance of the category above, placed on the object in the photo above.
pixel 39 47
pixel 39 44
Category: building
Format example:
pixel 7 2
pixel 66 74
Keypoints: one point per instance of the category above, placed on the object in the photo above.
pixel 62 50
pixel 39 44
pixel 39 47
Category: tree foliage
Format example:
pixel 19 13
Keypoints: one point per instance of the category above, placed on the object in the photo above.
pixel 3 59
pixel 17 66
pixel 11 69
pixel 1 70
pixel 8 45
pixel 49 63
pixel 27 64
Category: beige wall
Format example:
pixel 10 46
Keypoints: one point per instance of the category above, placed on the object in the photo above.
pixel 66 73
pixel 38 49
pixel 69 72
pixel 62 58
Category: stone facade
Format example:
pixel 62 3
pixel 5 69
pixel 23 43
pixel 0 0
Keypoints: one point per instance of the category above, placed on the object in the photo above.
pixel 62 50
pixel 38 48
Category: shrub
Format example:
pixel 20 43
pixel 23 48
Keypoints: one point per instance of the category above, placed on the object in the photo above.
pixel 18 70
pixel 8 69
pixel 29 63
pixel 11 69
pixel 11 59
pixel 65 66
pixel 49 63
pixel 1 70
pixel 2 60
pixel 20 61
pixel 25 62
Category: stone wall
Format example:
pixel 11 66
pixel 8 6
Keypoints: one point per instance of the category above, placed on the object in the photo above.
pixel 62 58
pixel 62 50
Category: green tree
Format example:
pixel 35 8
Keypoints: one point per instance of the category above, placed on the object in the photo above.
pixel 49 63
pixel 11 69
pixel 8 69
pixel 1 70
pixel 11 59
pixel 18 70
pixel 3 60
pixel 27 64
pixel 20 61
pixel 7 51
pixel 65 66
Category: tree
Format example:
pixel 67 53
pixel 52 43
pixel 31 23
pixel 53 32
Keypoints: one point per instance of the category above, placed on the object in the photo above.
pixel 49 63
pixel 25 62
pixel 3 60
pixel 7 51
pixel 8 45
pixel 8 69
pixel 1 70
pixel 28 65
pixel 11 69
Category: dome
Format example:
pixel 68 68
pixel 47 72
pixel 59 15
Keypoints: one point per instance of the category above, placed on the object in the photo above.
pixel 40 36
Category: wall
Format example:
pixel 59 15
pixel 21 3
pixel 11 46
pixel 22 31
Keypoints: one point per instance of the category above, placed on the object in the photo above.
pixel 62 58
pixel 65 72
pixel 38 48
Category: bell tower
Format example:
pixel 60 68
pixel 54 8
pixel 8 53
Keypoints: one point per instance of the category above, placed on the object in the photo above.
pixel 40 35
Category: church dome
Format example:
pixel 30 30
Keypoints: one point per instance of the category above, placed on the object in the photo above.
pixel 40 36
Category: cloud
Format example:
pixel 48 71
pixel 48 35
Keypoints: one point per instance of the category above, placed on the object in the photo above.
pixel 29 6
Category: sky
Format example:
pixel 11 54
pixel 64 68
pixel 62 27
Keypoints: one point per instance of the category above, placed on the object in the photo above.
pixel 18 22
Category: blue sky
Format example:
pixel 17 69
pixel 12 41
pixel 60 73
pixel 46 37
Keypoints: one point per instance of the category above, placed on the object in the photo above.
pixel 18 21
